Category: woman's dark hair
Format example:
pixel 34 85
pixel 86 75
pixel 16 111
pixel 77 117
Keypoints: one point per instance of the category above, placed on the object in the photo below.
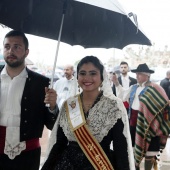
pixel 91 59
pixel 14 33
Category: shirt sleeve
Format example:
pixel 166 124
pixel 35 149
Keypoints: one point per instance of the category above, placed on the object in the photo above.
pixel 55 111
pixel 123 93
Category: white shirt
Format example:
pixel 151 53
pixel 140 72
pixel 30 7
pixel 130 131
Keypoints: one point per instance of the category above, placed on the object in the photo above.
pixel 124 94
pixel 65 88
pixel 10 98
pixel 125 81
pixel 10 111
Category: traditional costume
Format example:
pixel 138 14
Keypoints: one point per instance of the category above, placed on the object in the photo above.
pixel 79 142
pixel 148 114
pixel 22 117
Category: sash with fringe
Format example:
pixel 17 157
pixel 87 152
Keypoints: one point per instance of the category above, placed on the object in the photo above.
pixel 152 120
pixel 85 139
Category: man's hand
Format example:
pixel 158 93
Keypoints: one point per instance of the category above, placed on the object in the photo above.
pixel 115 80
pixel 50 97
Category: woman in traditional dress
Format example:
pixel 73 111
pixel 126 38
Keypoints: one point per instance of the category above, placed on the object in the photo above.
pixel 89 124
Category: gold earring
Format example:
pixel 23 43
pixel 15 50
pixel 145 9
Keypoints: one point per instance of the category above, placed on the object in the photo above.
pixel 100 87
pixel 78 88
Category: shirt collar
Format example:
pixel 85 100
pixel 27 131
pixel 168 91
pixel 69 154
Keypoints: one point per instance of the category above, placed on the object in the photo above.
pixel 143 84
pixel 70 79
pixel 125 77
pixel 23 73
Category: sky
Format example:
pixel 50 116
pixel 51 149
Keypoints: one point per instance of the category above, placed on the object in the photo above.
pixel 153 18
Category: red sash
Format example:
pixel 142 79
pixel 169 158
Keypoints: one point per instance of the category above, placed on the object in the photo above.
pixel 30 144
pixel 126 104
pixel 133 117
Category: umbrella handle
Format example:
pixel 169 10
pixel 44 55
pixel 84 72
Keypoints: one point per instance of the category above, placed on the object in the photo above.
pixel 58 44
pixel 56 55
pixel 47 104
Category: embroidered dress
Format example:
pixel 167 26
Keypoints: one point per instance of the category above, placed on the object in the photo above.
pixel 107 124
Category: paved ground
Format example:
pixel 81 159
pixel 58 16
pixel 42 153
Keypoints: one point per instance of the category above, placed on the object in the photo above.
pixel 44 142
pixel 163 164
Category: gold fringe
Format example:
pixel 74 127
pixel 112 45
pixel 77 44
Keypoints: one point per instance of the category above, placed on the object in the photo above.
pixel 155 164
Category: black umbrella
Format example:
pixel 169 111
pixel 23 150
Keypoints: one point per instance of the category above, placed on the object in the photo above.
pixel 89 23
pixel 84 24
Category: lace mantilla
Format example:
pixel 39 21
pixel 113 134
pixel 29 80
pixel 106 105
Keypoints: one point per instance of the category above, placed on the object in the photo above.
pixel 102 117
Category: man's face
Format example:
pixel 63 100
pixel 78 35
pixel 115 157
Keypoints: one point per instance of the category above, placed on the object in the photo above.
pixel 141 78
pixel 14 51
pixel 124 69
pixel 68 72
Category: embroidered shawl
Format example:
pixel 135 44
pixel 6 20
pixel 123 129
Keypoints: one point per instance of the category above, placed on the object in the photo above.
pixel 151 120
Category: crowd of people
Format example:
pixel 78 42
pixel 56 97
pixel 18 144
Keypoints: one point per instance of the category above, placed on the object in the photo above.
pixel 94 125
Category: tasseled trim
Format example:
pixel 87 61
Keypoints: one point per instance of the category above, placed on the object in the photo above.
pixel 154 162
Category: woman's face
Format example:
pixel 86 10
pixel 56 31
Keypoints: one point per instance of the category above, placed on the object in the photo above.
pixel 89 77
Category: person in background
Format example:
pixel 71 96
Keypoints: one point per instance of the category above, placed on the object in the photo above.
pixel 116 71
pixel 165 83
pixel 148 112
pixel 88 123
pixel 67 86
pixel 125 80
pixel 23 114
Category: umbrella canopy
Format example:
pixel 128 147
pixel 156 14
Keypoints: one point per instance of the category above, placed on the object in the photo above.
pixel 89 23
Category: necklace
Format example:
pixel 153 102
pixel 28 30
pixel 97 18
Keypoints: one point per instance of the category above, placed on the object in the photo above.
pixel 86 107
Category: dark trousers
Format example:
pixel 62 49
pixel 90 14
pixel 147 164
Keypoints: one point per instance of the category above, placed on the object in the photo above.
pixel 133 133
pixel 28 160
